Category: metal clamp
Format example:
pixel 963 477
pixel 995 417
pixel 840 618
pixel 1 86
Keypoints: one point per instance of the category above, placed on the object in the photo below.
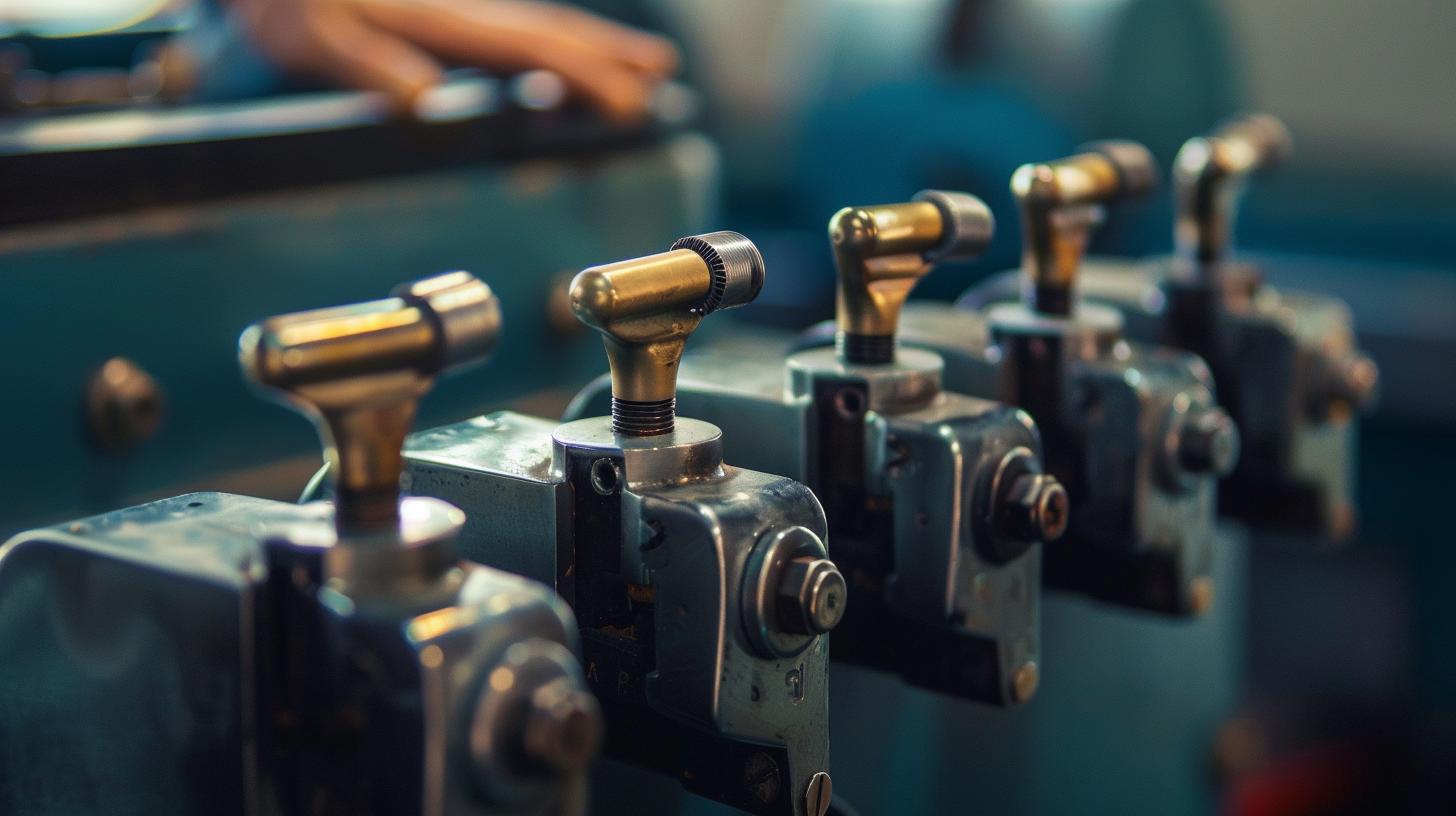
pixel 359 371
pixel 882 251
pixel 1061 204
pixel 645 308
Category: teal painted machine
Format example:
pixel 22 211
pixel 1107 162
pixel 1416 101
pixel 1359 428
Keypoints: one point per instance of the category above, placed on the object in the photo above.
pixel 151 235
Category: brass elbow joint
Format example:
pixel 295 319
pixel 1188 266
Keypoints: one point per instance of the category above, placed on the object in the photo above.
pixel 1208 180
pixel 358 372
pixel 882 251
pixel 1060 205
pixel 645 308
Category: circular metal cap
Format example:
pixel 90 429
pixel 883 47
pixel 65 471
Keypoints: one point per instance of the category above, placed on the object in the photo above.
pixel 465 309
pixel 968 228
pixel 736 266
pixel 1137 170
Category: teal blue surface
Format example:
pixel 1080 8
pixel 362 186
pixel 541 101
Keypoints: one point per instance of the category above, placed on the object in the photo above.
pixel 172 289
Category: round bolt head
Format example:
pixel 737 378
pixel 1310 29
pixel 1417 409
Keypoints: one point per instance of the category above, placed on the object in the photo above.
pixel 811 596
pixel 1359 378
pixel 124 406
pixel 1200 594
pixel 1209 443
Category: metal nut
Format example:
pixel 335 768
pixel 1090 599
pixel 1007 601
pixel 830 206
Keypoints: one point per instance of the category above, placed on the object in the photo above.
pixel 1037 507
pixel 1349 386
pixel 534 725
pixel 811 596
pixel 563 727
pixel 1208 443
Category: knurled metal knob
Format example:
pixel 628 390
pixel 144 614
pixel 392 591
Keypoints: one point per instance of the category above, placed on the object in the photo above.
pixel 882 251
pixel 646 307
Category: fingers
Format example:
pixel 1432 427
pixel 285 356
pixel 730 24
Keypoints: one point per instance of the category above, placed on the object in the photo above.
pixel 606 70
pixel 639 50
pixel 330 42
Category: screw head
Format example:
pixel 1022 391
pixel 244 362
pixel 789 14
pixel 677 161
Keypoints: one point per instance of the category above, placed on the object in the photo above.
pixel 819 795
pixel 811 596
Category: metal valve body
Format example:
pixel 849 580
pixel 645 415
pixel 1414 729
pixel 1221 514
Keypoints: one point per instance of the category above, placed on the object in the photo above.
pixel 1287 365
pixel 189 656
pixel 316 659
pixel 936 502
pixel 941 593
pixel 702 590
pixel 1131 432
pixel 1113 416
pixel 660 549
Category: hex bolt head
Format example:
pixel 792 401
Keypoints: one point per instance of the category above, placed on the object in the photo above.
pixel 811 596
pixel 563 727
pixel 1037 507
pixel 1354 381
pixel 1209 443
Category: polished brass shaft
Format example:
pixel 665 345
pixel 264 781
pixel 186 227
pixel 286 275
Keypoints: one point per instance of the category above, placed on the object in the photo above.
pixel 882 251
pixel 1209 174
pixel 358 371
pixel 1060 205
pixel 646 307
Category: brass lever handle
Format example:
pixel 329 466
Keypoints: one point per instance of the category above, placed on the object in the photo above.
pixel 882 251
pixel 1208 180
pixel 358 372
pixel 646 307
pixel 1061 204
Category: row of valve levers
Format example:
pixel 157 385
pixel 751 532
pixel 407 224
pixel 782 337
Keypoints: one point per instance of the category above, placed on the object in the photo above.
pixel 654 578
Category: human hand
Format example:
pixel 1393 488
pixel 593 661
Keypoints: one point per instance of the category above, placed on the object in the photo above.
pixel 395 46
